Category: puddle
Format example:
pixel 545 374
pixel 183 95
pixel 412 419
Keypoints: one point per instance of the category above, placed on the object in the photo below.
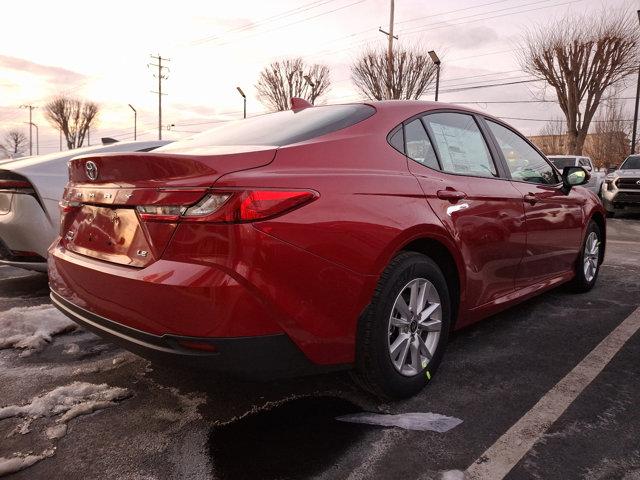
pixel 296 440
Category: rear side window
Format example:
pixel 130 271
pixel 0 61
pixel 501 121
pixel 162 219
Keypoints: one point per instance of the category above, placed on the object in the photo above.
pixel 280 128
pixel 396 140
pixel 419 146
pixel 461 147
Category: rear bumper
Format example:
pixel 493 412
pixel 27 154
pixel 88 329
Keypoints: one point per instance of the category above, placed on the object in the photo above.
pixel 238 283
pixel 261 357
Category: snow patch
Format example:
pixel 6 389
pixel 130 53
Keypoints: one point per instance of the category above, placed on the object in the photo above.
pixel 20 462
pixel 409 421
pixel 66 402
pixel 32 328
pixel 69 399
pixel 452 475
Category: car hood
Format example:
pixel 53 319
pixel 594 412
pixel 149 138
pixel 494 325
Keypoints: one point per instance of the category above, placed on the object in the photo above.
pixel 627 173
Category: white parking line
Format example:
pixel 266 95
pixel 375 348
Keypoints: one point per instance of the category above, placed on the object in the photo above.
pixel 498 460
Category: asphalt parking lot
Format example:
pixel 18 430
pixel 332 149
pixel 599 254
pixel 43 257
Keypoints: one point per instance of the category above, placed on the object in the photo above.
pixel 142 422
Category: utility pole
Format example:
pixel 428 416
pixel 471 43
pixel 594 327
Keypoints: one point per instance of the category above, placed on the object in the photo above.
pixel 390 51
pixel 160 76
pixel 31 108
pixel 135 122
pixel 37 137
pixel 635 111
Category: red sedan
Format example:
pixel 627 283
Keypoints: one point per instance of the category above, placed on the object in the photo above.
pixel 319 238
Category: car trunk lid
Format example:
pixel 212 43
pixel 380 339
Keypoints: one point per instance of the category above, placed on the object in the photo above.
pixel 99 217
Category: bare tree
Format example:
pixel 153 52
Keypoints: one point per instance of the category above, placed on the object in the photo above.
pixel 609 143
pixel 581 57
pixel 15 143
pixel 73 117
pixel 412 72
pixel 284 79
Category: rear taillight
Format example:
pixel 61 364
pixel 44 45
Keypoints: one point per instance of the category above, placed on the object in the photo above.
pixel 231 206
pixel 16 186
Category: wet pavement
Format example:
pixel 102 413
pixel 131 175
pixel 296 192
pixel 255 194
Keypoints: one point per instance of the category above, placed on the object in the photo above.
pixel 177 424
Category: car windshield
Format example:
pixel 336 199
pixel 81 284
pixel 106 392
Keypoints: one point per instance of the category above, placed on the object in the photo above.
pixel 631 163
pixel 561 162
pixel 280 128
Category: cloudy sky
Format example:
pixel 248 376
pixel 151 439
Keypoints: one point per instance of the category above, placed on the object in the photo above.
pixel 101 53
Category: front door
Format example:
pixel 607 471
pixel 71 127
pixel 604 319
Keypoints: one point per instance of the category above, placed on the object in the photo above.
pixel 554 218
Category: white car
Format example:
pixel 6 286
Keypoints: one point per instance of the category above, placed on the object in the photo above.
pixel 30 190
pixel 595 182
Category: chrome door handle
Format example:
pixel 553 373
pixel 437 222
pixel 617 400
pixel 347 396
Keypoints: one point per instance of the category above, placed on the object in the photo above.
pixel 530 198
pixel 452 195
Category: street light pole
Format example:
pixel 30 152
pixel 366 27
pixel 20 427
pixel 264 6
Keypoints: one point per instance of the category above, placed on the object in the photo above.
pixel 436 61
pixel 135 122
pixel 244 100
pixel 635 114
pixel 31 124
pixel 30 107
pixel 310 82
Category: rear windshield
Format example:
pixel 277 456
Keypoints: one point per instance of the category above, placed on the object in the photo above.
pixel 631 163
pixel 562 162
pixel 280 128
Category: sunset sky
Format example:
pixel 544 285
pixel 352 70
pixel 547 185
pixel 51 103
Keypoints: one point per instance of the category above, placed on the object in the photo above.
pixel 100 51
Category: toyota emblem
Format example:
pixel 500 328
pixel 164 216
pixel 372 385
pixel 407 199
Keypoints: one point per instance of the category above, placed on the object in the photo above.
pixel 92 170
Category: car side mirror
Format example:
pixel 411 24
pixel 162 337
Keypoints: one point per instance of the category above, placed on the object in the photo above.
pixel 588 168
pixel 574 176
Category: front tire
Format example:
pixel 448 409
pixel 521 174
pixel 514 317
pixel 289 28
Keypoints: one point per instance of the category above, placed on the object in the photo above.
pixel 402 336
pixel 588 264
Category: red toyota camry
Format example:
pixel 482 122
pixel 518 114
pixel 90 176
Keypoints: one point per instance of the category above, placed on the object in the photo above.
pixel 343 236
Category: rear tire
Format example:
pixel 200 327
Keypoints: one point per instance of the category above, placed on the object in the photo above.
pixel 403 334
pixel 588 264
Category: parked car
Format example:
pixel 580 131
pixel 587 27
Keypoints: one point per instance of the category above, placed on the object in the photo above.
pixel 30 190
pixel 343 236
pixel 596 177
pixel 621 188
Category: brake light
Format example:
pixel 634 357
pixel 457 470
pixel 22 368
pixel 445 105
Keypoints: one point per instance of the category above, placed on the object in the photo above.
pixel 231 206
pixel 16 186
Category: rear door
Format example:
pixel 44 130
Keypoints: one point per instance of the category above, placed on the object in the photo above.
pixel 465 188
pixel 554 219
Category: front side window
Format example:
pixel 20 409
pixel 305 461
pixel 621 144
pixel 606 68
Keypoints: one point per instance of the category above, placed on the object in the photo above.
pixel 524 163
pixel 460 144
pixel 419 147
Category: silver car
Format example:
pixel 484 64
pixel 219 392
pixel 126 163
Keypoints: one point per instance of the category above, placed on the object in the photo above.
pixel 621 188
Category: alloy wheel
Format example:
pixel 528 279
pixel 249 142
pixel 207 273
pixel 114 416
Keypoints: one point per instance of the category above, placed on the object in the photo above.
pixel 591 256
pixel 414 329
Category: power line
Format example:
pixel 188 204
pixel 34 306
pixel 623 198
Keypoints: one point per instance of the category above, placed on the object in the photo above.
pixel 287 13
